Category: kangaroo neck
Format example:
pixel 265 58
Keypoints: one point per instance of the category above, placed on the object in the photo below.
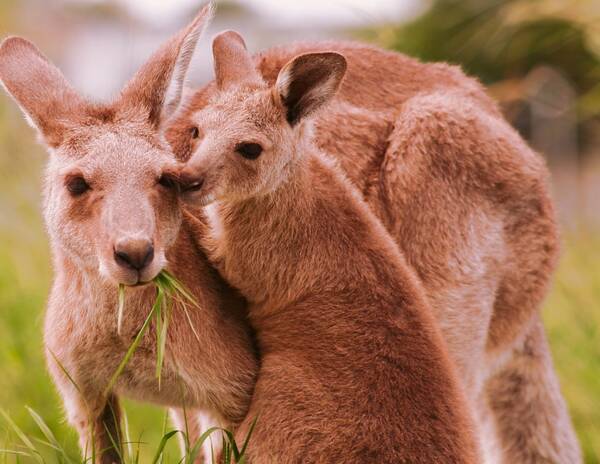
pixel 262 243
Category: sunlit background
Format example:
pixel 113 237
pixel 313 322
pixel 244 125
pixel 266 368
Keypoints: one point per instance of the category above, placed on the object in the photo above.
pixel 539 58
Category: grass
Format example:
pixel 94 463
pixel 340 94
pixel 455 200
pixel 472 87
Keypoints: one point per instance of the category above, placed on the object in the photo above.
pixel 32 448
pixel 169 291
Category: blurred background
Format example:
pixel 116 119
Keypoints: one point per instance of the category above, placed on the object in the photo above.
pixel 539 58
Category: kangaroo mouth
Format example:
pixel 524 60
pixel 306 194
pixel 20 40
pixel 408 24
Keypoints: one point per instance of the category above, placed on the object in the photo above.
pixel 133 278
pixel 140 284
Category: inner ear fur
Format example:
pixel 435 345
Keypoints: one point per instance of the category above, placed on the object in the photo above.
pixel 308 82
pixel 155 90
pixel 48 101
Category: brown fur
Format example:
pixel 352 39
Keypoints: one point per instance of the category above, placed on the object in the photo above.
pixel 352 364
pixel 467 202
pixel 117 150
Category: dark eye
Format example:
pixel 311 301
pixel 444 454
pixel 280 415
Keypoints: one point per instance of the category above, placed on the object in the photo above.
pixel 77 185
pixel 194 132
pixel 168 181
pixel 249 150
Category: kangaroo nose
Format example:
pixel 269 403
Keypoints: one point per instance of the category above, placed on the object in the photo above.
pixel 133 253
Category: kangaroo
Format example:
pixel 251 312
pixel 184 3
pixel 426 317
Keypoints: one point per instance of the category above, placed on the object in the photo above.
pixel 467 202
pixel 352 364
pixel 113 214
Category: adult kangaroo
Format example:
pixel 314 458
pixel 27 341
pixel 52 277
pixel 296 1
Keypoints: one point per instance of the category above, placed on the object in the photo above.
pixel 467 201
pixel 112 212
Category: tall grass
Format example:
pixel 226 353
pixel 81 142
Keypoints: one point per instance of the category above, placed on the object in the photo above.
pixel 33 449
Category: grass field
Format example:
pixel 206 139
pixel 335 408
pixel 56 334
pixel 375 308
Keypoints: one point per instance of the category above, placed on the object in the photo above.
pixel 572 313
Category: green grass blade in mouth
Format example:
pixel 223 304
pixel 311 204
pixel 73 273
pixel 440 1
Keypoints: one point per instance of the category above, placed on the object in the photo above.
pixel 178 287
pixel 129 354
pixel 189 319
pixel 177 291
pixel 169 290
pixel 158 324
pixel 162 324
pixel 120 308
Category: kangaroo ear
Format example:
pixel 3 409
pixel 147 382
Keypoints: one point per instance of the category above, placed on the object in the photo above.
pixel 308 82
pixel 155 90
pixel 233 63
pixel 50 104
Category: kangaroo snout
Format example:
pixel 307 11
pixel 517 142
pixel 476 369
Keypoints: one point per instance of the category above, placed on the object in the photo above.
pixel 192 184
pixel 133 253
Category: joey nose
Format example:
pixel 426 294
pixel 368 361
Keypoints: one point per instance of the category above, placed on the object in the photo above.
pixel 190 182
pixel 133 253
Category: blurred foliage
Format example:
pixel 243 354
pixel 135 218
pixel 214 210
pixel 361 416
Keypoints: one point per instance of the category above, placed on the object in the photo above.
pixel 506 39
pixel 6 10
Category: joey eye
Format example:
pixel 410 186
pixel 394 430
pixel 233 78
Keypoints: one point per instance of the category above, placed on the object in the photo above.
pixel 195 132
pixel 76 185
pixel 249 150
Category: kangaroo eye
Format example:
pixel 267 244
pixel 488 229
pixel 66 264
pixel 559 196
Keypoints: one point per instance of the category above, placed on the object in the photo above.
pixel 195 132
pixel 249 150
pixel 76 185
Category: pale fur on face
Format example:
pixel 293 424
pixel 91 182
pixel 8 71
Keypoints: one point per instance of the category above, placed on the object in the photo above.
pixel 116 149
pixel 244 114
pixel 125 200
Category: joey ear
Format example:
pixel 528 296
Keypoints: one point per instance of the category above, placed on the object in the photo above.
pixel 49 102
pixel 308 82
pixel 155 90
pixel 233 63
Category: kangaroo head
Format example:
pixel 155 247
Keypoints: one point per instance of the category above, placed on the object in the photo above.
pixel 250 134
pixel 111 205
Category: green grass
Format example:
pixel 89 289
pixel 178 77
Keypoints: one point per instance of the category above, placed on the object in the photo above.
pixel 170 293
pixel 36 448
pixel 572 316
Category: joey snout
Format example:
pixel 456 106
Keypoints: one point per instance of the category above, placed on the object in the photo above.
pixel 195 187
